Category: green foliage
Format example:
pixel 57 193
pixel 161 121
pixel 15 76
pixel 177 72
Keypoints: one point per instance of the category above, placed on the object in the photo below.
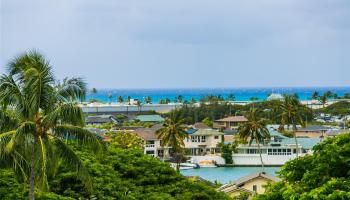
pixel 323 175
pixel 341 108
pixel 125 140
pixel 227 150
pixel 217 110
pixel 207 121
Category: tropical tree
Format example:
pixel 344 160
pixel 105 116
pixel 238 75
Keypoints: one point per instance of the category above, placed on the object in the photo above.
pixel 323 99
pixel 315 95
pixel 110 97
pixel 120 99
pixel 38 116
pixel 291 114
pixel 193 100
pixel 148 99
pixel 179 98
pixel 129 99
pixel 254 130
pixel 172 134
pixel 94 91
pixel 231 97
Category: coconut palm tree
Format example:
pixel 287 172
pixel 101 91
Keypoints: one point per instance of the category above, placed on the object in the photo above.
pixel 323 100
pixel 94 91
pixel 172 134
pixel 120 99
pixel 231 97
pixel 148 99
pixel 38 115
pixel 291 114
pixel 254 130
pixel 315 95
pixel 110 97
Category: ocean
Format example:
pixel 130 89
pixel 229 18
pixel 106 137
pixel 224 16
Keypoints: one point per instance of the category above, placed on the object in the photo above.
pixel 241 94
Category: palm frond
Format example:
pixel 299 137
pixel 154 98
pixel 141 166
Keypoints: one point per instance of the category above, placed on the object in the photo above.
pixel 43 176
pixel 80 135
pixel 23 136
pixel 7 121
pixel 72 89
pixel 72 161
pixel 68 113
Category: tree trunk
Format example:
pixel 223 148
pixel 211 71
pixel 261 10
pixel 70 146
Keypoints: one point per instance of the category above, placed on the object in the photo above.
pixel 32 172
pixel 295 138
pixel 262 163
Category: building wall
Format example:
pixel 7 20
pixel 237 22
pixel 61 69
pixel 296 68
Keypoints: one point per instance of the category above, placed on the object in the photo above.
pixel 105 108
pixel 310 134
pixel 259 182
pixel 210 142
pixel 254 159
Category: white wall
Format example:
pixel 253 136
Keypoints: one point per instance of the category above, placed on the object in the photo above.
pixel 254 159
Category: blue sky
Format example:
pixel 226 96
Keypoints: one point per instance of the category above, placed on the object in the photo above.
pixel 184 43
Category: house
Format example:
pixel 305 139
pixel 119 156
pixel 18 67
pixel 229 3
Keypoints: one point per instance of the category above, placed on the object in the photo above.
pixel 203 141
pixel 100 119
pixel 312 131
pixel 150 118
pixel 229 123
pixel 274 152
pixel 152 143
pixel 251 184
pixel 200 125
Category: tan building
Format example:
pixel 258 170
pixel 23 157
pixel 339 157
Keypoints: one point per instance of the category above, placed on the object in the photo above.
pixel 312 131
pixel 229 123
pixel 203 141
pixel 251 184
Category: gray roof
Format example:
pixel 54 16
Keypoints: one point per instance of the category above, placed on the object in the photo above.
pixel 150 118
pixel 247 178
pixel 306 143
pixel 314 128
pixel 100 119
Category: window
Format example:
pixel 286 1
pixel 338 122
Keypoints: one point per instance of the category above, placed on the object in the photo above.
pixel 150 142
pixel 254 188
pixel 216 137
pixel 203 138
pixel 150 152
pixel 194 138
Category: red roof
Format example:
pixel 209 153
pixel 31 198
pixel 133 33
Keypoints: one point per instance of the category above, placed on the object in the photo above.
pixel 233 119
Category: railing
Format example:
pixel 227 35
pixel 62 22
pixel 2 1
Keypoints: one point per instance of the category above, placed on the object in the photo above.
pixel 150 145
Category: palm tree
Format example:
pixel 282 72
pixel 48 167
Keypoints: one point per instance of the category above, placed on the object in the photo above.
pixel 120 99
pixel 110 97
pixel 44 115
pixel 323 99
pixel 94 91
pixel 129 99
pixel 254 130
pixel 179 98
pixel 314 95
pixel 291 114
pixel 231 97
pixel 172 134
pixel 148 99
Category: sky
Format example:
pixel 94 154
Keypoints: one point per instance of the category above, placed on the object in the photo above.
pixel 184 43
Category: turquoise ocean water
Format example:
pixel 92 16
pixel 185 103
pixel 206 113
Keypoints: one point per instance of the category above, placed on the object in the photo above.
pixel 241 94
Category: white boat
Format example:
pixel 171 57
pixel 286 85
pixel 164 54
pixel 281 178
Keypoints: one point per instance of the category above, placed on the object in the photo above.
pixel 185 166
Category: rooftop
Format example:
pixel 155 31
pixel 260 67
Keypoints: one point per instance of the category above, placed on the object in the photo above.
pixel 150 118
pixel 314 128
pixel 200 125
pixel 233 119
pixel 203 132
